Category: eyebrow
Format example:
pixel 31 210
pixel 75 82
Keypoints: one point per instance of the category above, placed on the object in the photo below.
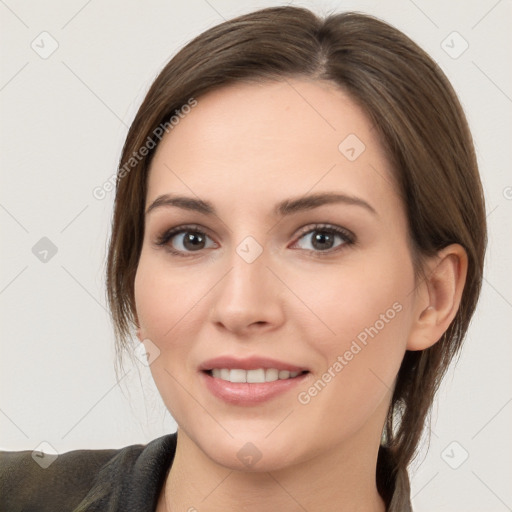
pixel 284 208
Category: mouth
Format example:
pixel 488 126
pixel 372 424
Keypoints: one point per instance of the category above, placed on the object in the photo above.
pixel 251 381
pixel 255 376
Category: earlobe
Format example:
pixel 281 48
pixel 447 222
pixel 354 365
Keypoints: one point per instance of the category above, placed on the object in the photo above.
pixel 439 297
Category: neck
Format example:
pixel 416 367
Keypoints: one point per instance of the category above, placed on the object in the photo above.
pixel 343 479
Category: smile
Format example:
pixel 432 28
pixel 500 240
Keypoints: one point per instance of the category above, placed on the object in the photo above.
pixel 258 375
pixel 250 380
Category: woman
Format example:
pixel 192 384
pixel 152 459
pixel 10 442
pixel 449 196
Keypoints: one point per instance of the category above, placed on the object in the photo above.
pixel 298 243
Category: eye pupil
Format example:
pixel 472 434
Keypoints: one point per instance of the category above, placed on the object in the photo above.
pixel 322 237
pixel 188 240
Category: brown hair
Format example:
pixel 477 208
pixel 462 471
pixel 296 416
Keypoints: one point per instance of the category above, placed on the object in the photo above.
pixel 421 125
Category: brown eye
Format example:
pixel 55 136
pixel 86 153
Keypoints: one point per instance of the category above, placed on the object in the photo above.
pixel 325 239
pixel 185 239
pixel 191 241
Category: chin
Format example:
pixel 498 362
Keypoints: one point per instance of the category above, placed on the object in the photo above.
pixel 249 453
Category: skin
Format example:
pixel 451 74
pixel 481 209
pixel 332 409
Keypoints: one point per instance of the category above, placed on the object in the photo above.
pixel 246 147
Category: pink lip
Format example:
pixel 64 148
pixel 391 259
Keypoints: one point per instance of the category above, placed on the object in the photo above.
pixel 247 394
pixel 249 363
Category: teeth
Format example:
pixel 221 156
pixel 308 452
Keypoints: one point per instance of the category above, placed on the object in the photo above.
pixel 253 376
pixel 237 376
pixel 271 374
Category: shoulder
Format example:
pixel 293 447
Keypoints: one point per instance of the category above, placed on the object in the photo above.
pixel 25 482
pixel 81 479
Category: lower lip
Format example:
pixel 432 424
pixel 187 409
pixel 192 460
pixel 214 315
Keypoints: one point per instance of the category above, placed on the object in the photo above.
pixel 244 393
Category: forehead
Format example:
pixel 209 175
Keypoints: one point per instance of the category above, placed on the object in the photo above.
pixel 246 145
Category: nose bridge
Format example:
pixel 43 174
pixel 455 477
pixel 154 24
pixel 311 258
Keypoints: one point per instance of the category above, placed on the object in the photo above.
pixel 247 294
pixel 247 280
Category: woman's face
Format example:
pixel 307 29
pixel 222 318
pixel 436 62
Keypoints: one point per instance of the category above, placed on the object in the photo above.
pixel 270 285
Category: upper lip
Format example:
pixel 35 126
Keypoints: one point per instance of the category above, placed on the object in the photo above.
pixel 249 363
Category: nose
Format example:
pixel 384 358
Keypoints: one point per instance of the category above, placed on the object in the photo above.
pixel 248 299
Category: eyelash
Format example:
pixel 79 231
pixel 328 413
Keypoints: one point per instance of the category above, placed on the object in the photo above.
pixel 347 237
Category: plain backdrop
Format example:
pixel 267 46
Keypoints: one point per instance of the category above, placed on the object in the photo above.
pixel 73 75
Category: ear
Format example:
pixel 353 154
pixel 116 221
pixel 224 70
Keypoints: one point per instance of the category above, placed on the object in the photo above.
pixel 438 297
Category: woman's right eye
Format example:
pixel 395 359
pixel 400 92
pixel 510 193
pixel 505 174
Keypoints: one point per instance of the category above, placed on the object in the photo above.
pixel 183 240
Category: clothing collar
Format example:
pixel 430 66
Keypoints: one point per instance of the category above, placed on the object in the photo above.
pixel 133 479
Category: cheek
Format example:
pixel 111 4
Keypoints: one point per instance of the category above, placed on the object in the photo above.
pixel 360 298
pixel 367 313
pixel 362 358
pixel 164 302
pixel 162 298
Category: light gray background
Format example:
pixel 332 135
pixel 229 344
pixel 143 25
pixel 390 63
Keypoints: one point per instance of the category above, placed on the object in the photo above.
pixel 64 119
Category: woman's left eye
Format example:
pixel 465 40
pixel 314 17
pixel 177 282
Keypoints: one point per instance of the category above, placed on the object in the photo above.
pixel 185 240
pixel 322 238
